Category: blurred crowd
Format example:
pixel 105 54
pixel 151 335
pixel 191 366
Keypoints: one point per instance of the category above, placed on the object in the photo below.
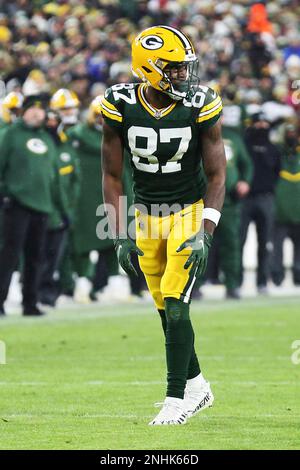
pixel 85 45
pixel 71 52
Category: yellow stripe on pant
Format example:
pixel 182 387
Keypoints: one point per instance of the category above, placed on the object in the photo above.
pixel 159 238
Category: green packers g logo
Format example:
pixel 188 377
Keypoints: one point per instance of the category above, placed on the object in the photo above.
pixel 152 42
pixel 37 146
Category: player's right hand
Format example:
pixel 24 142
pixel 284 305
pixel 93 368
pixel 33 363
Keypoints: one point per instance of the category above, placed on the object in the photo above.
pixel 124 248
pixel 200 245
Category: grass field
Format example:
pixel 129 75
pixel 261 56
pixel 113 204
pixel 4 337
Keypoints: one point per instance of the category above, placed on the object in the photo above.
pixel 87 378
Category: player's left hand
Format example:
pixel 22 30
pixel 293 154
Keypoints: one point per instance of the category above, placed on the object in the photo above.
pixel 124 249
pixel 200 244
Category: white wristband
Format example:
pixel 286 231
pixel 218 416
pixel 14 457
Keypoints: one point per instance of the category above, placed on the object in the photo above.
pixel 211 214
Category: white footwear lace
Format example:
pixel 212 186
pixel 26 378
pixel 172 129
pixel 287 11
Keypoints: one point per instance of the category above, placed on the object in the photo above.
pixel 171 413
pixel 197 398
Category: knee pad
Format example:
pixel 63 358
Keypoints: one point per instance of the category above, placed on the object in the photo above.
pixel 176 310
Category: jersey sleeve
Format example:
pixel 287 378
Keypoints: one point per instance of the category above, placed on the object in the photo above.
pixel 211 110
pixel 111 109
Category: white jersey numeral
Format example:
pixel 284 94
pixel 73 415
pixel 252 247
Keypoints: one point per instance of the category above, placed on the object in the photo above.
pixel 129 96
pixel 185 135
pixel 198 99
pixel 137 152
pixel 151 144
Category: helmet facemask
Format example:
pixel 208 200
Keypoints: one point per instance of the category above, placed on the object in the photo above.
pixel 180 79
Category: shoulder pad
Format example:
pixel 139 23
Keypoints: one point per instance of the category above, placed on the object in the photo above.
pixel 210 112
pixel 111 108
pixel 116 98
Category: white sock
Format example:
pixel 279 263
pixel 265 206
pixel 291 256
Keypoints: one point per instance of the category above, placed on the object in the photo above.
pixel 196 381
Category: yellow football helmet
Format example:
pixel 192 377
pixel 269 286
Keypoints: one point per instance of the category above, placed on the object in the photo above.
pixel 159 48
pixel 11 105
pixel 94 111
pixel 95 105
pixel 67 104
pixel 64 99
pixel 13 100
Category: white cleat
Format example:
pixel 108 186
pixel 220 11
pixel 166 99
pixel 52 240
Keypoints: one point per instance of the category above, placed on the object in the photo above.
pixel 172 413
pixel 197 398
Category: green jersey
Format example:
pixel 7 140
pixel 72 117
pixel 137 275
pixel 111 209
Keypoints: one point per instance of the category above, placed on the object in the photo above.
pixel 163 145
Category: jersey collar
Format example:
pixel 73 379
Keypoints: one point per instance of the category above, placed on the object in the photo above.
pixel 157 113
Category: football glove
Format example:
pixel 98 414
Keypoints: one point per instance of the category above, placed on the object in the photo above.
pixel 200 244
pixel 124 247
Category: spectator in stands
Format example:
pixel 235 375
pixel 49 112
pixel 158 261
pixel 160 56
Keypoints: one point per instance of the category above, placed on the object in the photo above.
pixel 287 207
pixel 227 235
pixel 249 49
pixel 87 136
pixel 66 103
pixel 258 206
pixel 65 193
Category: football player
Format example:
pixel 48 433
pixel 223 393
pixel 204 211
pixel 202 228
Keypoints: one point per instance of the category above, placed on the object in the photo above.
pixel 170 126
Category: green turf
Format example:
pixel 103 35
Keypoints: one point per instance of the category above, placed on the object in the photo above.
pixel 87 378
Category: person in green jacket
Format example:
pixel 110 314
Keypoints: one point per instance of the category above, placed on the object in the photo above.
pixel 65 199
pixel 287 207
pixel 87 136
pixel 227 234
pixel 27 170
pixel 66 103
pixel 10 110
